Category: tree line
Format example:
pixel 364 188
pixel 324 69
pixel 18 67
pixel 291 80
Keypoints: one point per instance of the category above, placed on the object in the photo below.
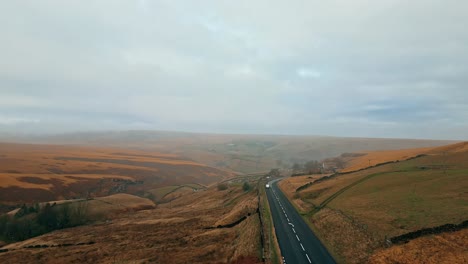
pixel 35 220
pixel 310 167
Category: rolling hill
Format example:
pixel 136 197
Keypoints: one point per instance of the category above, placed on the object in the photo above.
pixel 362 213
pixel 210 226
pixel 239 153
pixel 36 173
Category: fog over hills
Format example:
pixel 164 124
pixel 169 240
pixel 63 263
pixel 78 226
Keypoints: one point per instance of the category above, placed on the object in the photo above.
pixel 241 153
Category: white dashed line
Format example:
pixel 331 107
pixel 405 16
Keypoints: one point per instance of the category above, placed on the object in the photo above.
pixel 302 246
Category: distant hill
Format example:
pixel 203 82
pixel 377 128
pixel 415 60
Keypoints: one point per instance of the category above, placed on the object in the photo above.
pixel 37 173
pixel 240 153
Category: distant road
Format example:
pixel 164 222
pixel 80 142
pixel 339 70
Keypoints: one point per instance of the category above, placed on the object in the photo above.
pixel 297 242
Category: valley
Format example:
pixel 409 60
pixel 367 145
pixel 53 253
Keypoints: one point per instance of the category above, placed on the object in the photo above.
pixel 150 206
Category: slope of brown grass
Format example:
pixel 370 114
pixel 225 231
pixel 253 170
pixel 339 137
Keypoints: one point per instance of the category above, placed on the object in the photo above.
pixel 37 173
pixel 454 148
pixel 367 207
pixel 445 248
pixel 178 232
pixel 367 159
pixel 290 185
pixel 46 181
pixel 378 157
pixel 346 237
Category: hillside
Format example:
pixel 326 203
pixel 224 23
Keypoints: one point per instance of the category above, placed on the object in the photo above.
pixel 240 153
pixel 37 173
pixel 209 226
pixel 365 210
pixel 364 159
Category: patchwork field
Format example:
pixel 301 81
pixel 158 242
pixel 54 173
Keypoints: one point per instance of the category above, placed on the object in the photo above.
pixel 369 207
pixel 209 226
pixel 38 173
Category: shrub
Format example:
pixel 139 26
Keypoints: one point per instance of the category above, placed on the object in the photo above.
pixel 222 186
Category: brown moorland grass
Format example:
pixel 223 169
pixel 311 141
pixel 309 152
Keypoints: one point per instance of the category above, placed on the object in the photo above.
pixel 182 231
pixel 106 207
pixel 378 157
pixel 242 153
pixel 46 181
pixel 445 248
pixel 318 193
pixel 36 173
pixel 372 158
pixel 290 185
pixel 366 207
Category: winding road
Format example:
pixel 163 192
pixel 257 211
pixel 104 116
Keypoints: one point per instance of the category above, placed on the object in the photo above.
pixel 297 242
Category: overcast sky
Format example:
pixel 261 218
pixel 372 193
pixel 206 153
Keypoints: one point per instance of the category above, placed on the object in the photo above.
pixel 384 68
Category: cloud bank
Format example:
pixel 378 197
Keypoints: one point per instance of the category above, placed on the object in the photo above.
pixel 345 68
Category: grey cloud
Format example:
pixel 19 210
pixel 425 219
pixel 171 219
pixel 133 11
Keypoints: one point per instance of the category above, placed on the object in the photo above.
pixel 296 67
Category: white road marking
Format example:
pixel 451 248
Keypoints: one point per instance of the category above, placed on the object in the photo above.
pixel 289 223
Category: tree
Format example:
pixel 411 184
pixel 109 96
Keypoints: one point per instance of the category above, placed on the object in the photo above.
pixel 63 217
pixel 274 173
pixel 297 168
pixel 340 163
pixel 3 222
pixel 279 163
pixel 79 213
pixel 22 211
pixel 246 187
pixel 313 167
pixel 36 207
pixel 47 217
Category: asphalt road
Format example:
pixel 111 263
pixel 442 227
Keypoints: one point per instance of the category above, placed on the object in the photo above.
pixel 297 242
